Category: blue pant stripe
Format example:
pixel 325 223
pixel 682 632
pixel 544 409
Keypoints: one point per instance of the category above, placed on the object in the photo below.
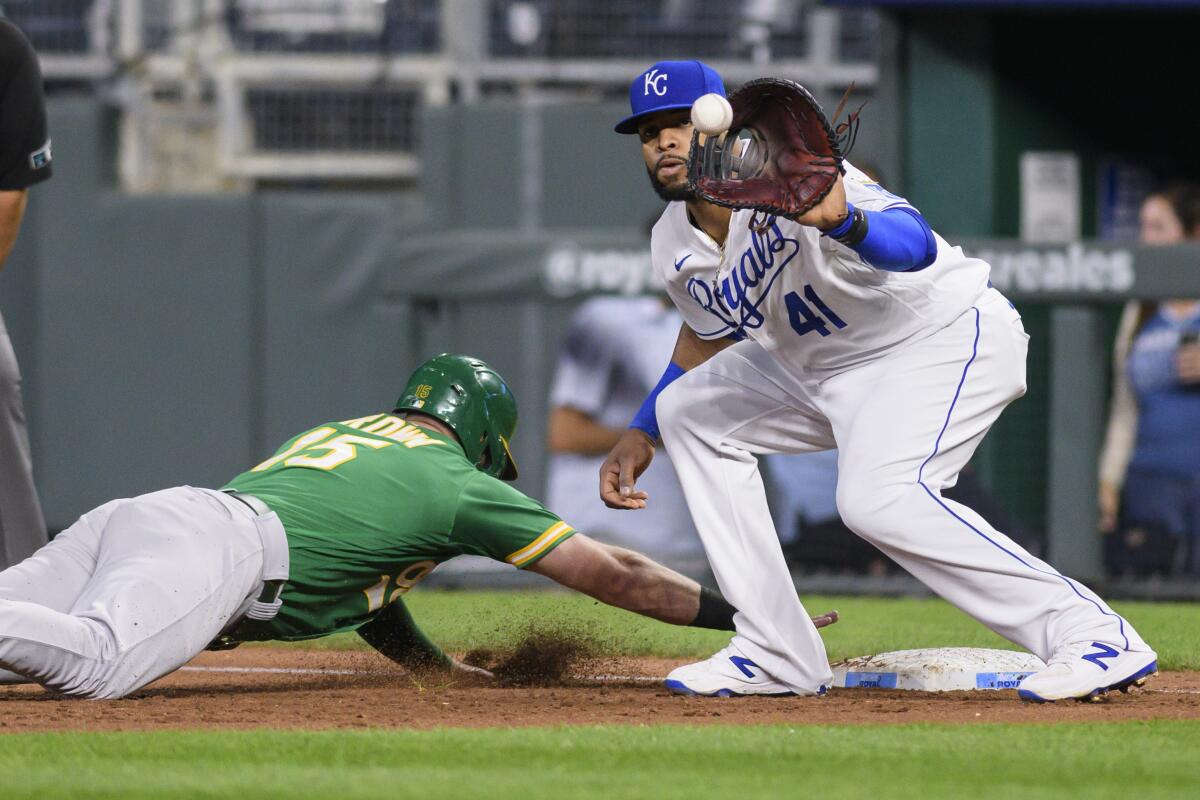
pixel 933 496
pixel 954 402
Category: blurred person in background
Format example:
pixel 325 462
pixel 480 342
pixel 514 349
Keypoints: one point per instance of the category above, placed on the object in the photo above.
pixel 611 358
pixel 24 161
pixel 1150 465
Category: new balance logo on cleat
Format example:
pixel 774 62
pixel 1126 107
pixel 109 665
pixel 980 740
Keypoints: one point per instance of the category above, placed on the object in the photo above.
pixel 744 665
pixel 1066 677
pixel 1102 651
pixel 727 674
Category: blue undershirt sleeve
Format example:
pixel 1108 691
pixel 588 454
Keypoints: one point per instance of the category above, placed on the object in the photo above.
pixel 646 418
pixel 896 239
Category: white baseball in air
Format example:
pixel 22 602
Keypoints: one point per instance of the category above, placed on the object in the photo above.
pixel 711 114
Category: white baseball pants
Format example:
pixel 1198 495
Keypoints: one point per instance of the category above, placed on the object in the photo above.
pixel 904 426
pixel 132 591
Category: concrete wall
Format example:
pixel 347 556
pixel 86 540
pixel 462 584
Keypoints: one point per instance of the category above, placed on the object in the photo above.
pixel 169 340
pixel 179 339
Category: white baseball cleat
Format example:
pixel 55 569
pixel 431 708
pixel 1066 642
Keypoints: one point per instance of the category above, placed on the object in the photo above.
pixel 726 674
pixel 1088 671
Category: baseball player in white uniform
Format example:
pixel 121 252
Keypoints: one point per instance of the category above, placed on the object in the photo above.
pixel 854 327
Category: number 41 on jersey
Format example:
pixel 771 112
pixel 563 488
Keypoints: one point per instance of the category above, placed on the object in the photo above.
pixel 804 319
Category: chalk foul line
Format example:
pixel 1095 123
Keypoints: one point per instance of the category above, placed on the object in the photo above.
pixel 318 671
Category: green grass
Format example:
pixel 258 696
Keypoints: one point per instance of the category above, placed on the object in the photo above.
pixel 462 620
pixel 1094 760
pixel 923 761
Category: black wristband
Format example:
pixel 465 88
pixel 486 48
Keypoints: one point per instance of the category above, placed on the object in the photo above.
pixel 857 231
pixel 715 612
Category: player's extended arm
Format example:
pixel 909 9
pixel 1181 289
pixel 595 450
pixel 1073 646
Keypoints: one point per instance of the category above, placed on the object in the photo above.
pixel 895 239
pixel 634 451
pixel 631 581
pixel 395 634
pixel 12 209
pixel 573 431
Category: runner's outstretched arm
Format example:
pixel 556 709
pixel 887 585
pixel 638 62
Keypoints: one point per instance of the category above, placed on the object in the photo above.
pixel 630 580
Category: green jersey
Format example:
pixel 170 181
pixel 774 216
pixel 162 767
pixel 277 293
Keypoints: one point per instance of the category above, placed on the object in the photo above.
pixel 370 507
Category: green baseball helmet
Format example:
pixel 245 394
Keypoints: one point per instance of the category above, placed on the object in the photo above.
pixel 472 398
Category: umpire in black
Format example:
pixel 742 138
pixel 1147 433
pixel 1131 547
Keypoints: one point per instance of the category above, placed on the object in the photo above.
pixel 24 161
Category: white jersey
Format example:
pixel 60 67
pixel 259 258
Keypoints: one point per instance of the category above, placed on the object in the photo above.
pixel 810 301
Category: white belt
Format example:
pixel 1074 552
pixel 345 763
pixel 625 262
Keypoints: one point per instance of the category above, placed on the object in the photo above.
pixel 276 561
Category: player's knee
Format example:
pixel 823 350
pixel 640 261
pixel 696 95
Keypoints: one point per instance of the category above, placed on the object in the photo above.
pixel 871 508
pixel 98 676
pixel 855 507
pixel 113 686
pixel 113 689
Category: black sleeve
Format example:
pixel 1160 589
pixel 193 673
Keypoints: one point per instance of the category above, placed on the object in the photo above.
pixel 395 634
pixel 24 140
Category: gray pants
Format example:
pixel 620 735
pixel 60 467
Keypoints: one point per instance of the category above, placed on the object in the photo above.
pixel 22 526
pixel 132 591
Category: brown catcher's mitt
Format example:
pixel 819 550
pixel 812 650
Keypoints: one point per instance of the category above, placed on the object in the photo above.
pixel 780 154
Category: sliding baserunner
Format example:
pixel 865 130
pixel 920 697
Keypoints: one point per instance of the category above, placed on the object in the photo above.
pixel 327 535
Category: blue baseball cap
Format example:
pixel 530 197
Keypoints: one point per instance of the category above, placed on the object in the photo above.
pixel 666 86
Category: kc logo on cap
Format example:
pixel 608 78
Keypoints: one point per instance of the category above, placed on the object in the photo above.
pixel 667 86
pixel 653 79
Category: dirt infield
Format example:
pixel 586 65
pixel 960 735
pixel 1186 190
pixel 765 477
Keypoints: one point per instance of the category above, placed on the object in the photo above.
pixel 315 689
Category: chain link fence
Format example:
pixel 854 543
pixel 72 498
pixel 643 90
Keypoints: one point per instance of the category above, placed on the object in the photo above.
pixel 332 89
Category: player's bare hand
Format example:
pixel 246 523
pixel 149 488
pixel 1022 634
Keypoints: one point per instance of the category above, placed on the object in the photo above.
pixel 826 619
pixel 1187 363
pixel 1110 504
pixel 472 674
pixel 830 212
pixel 628 459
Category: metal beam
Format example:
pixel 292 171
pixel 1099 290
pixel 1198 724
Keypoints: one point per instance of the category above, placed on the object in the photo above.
pixel 1079 349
